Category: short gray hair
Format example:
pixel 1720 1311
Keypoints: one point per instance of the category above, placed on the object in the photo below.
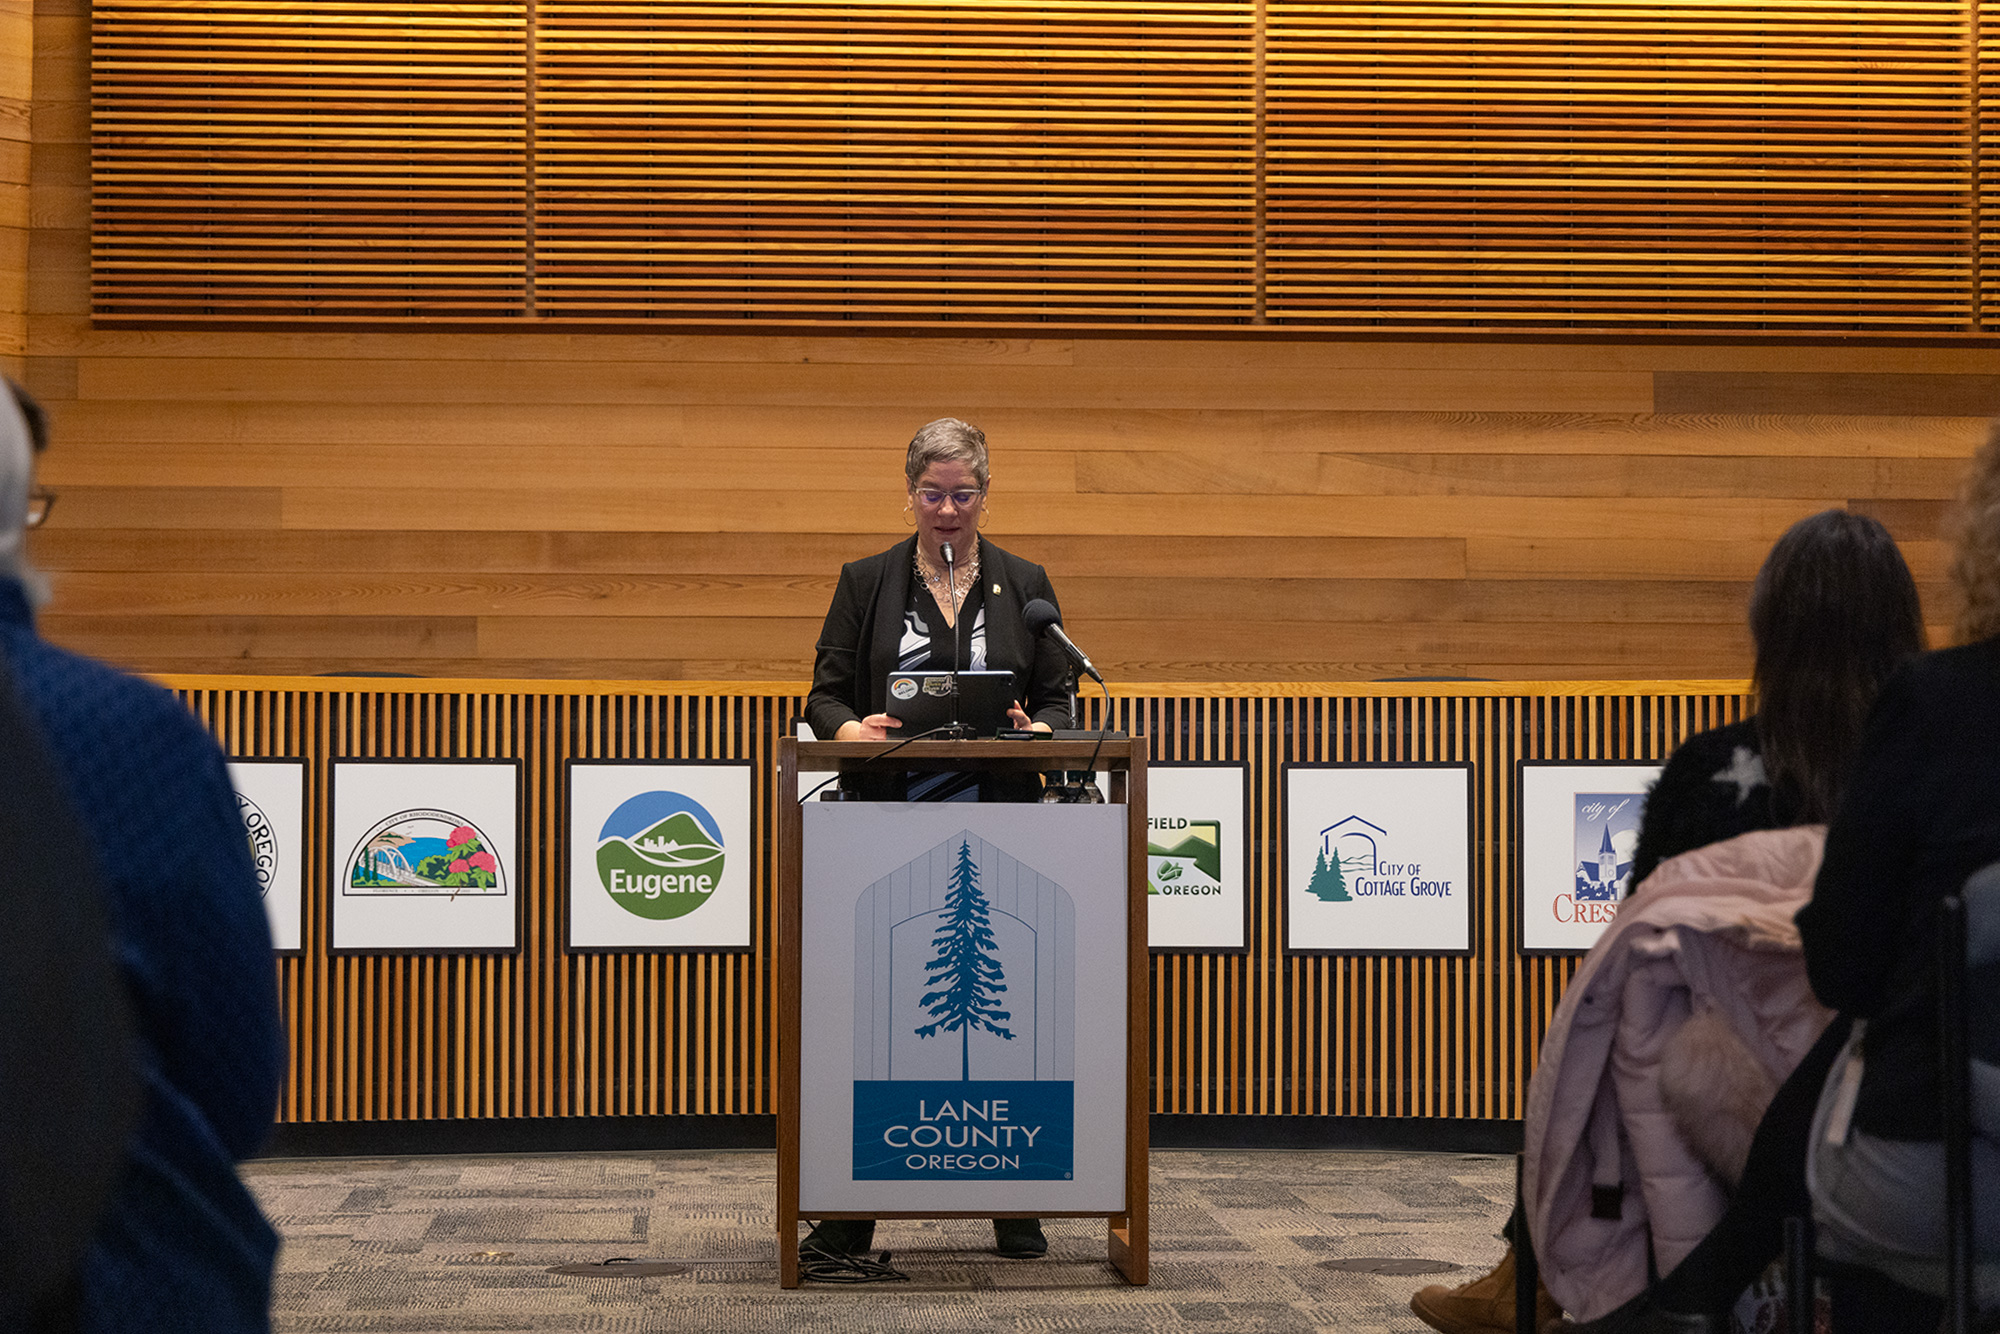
pixel 947 440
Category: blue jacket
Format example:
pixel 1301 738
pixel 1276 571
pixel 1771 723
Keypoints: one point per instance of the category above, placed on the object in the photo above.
pixel 184 1246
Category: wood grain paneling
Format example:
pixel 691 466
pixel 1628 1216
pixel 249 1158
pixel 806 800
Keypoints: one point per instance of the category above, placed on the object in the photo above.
pixel 16 100
pixel 542 1032
pixel 1696 165
pixel 318 158
pixel 576 505
pixel 911 161
pixel 1803 392
pixel 1123 164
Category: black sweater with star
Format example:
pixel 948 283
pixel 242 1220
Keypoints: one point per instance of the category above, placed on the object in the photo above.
pixel 1713 787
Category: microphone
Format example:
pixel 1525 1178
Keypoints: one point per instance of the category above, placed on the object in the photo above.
pixel 1044 619
pixel 951 592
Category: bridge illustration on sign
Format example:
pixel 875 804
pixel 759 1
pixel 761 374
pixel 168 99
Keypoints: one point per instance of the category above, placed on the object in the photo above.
pixel 385 851
pixel 424 851
pixel 965 969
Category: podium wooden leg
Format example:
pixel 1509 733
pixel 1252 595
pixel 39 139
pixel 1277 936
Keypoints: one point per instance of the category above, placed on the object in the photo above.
pixel 788 1249
pixel 1128 1248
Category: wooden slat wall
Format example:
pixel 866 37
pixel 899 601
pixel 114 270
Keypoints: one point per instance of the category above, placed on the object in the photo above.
pixel 16 101
pixel 1986 100
pixel 1693 165
pixel 1462 166
pixel 310 158
pixel 547 1033
pixel 619 508
pixel 542 1032
pixel 894 162
pixel 622 506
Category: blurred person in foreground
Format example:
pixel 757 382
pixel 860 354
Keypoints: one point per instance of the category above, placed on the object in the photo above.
pixel 902 610
pixel 1922 814
pixel 182 1244
pixel 69 1087
pixel 1833 613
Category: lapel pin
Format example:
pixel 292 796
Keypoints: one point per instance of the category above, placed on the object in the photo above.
pixel 996 588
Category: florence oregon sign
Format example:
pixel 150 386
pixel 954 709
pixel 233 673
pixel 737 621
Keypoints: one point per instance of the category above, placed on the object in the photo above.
pixel 964 1020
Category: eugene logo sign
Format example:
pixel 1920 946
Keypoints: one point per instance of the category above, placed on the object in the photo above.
pixel 660 855
pixel 933 1129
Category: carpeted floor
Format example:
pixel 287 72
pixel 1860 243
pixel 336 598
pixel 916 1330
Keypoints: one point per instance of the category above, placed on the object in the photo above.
pixel 1240 1243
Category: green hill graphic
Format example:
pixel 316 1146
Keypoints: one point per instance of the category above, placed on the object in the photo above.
pixel 666 871
pixel 1202 845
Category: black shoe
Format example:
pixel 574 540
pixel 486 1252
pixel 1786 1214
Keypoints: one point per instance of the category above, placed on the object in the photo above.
pixel 1020 1238
pixel 840 1236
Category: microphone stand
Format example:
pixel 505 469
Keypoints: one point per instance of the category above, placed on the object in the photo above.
pixel 956 730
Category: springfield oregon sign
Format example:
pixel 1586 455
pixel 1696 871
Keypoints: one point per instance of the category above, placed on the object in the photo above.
pixel 963 1007
pixel 1195 843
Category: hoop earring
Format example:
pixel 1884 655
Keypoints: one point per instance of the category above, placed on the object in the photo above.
pixel 984 515
pixel 909 517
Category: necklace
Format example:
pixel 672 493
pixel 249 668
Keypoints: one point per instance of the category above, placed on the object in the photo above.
pixel 941 583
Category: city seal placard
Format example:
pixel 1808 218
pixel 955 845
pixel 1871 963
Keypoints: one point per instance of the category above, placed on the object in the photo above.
pixel 263 841
pixel 660 855
pixel 424 852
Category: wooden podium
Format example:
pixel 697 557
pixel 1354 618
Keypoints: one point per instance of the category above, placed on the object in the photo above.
pixel 1125 762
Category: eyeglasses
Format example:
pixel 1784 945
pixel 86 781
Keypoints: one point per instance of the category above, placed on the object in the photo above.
pixel 964 500
pixel 40 502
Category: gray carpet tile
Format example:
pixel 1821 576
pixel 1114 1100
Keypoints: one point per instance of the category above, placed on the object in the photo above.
pixel 1240 1241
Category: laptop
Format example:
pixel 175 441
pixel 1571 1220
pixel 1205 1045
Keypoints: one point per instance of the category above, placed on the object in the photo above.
pixel 922 701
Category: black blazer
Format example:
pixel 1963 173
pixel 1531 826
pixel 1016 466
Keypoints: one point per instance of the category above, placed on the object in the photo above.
pixel 1922 812
pixel 857 646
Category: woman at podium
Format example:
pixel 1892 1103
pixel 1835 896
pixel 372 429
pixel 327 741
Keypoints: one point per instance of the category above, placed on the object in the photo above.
pixel 913 608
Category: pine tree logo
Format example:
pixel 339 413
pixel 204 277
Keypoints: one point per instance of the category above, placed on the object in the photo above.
pixel 965 973
pixel 1328 885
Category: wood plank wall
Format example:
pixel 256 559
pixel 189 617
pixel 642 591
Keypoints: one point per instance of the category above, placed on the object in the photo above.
pixel 626 506
pixel 543 1032
pixel 16 100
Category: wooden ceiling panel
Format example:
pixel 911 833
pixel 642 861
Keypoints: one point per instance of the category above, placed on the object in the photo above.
pixel 1456 166
pixel 1704 165
pixel 321 160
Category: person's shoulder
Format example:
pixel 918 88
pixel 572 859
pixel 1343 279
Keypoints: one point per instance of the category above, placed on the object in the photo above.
pixel 1936 695
pixel 1974 666
pixel 68 689
pixel 128 747
pixel 869 568
pixel 1720 768
pixel 1719 744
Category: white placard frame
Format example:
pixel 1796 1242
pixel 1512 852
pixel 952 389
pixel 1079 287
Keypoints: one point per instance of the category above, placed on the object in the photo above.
pixel 1293 876
pixel 1160 796
pixel 580 850
pixel 276 788
pixel 1544 839
pixel 494 927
